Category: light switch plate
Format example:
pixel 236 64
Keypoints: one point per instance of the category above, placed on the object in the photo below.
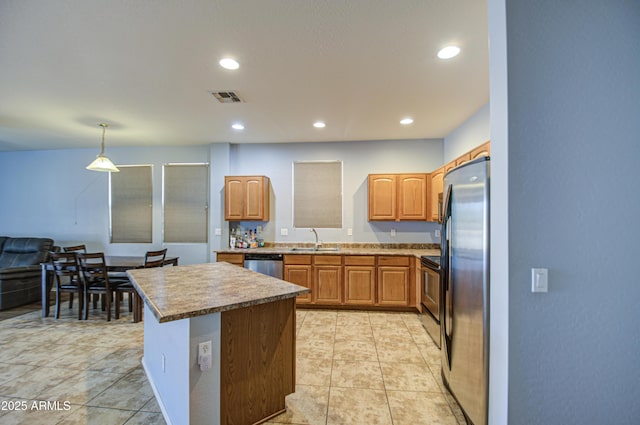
pixel 284 231
pixel 218 231
pixel 539 280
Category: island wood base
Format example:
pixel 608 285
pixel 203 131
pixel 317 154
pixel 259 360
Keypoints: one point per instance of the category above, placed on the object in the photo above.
pixel 257 361
pixel 253 364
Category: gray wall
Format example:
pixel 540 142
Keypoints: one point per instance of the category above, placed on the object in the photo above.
pixel 51 194
pixel 574 108
pixel 470 134
pixel 359 159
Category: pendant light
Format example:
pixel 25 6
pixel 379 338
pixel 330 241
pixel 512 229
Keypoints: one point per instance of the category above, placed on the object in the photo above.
pixel 102 163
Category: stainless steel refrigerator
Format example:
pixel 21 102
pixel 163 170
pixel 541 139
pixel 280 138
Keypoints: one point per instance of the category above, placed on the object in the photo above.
pixel 464 306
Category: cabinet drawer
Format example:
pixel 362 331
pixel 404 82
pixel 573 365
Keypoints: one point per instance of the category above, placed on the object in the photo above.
pixel 335 260
pixel 393 261
pixel 360 260
pixel 296 259
pixel 237 259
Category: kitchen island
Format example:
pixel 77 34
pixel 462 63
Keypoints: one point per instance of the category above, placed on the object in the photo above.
pixel 219 342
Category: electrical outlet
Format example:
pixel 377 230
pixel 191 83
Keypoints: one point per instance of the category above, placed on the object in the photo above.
pixel 437 233
pixel 218 231
pixel 284 231
pixel 349 232
pixel 204 355
pixel 393 233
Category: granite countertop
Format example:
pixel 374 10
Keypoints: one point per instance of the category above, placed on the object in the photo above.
pixel 174 293
pixel 415 250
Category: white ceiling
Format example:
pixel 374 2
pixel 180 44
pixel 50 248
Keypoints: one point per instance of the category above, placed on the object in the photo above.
pixel 146 67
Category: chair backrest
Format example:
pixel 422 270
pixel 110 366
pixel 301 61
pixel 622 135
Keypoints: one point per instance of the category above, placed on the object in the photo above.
pixel 155 258
pixel 76 248
pixel 65 264
pixel 94 267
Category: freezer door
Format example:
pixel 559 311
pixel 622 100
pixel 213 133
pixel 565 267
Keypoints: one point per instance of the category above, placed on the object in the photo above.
pixel 466 293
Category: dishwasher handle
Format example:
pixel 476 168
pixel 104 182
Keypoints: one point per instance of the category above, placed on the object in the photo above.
pixel 262 256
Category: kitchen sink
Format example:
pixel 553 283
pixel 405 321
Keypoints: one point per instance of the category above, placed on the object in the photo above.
pixel 319 249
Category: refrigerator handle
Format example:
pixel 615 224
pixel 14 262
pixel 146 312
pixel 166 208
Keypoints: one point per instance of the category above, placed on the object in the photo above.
pixel 446 293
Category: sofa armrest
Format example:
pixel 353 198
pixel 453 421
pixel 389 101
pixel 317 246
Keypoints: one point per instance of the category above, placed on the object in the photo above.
pixel 20 272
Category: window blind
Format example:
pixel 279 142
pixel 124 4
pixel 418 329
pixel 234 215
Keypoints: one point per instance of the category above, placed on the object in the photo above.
pixel 185 200
pixel 317 194
pixel 131 200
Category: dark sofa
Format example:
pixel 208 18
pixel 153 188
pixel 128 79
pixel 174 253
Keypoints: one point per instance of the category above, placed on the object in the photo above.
pixel 20 271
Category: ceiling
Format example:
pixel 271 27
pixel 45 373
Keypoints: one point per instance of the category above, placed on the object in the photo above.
pixel 147 68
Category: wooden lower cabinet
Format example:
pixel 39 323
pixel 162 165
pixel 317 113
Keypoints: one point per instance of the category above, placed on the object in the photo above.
pixel 297 269
pixel 359 285
pixel 393 286
pixel 360 280
pixel 353 280
pixel 394 275
pixel 235 259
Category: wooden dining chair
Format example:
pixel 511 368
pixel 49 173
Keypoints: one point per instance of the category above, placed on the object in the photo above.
pixel 67 279
pixel 155 258
pixel 96 280
pixel 76 249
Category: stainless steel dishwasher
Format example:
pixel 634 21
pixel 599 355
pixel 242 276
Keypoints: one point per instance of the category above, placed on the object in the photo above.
pixel 269 264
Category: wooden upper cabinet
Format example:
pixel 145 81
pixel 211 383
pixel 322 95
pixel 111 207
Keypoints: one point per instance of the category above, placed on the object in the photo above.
pixel 482 150
pixel 412 196
pixel 449 166
pixel 383 196
pixel 246 198
pixel 398 196
pixel 463 158
pixel 437 184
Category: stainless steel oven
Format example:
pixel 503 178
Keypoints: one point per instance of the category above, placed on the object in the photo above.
pixel 430 296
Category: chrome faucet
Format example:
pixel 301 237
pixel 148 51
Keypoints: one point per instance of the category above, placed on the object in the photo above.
pixel 317 245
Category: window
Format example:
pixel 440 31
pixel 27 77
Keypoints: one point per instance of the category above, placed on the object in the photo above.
pixel 131 200
pixel 185 200
pixel 317 194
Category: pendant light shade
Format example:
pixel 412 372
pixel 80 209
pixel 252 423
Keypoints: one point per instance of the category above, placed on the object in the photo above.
pixel 102 163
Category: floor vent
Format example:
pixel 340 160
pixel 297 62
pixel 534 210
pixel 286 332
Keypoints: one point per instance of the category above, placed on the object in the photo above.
pixel 226 96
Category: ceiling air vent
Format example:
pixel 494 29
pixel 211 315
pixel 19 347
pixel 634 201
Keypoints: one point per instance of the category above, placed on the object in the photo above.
pixel 226 96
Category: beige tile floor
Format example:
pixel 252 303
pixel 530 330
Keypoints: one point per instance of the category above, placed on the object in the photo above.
pixel 352 368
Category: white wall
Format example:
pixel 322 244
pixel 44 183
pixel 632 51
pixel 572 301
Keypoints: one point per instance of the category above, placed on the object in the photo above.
pixel 470 134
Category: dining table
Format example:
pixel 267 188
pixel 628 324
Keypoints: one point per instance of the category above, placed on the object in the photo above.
pixel 115 263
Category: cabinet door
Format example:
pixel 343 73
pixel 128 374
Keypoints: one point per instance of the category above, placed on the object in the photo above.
pixel 412 197
pixel 393 286
pixel 382 197
pixel 482 150
pixel 437 182
pixel 300 275
pixel 255 199
pixel 359 285
pixel 327 284
pixel 233 198
pixel 235 259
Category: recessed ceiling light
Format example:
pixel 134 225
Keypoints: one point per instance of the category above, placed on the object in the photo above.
pixel 449 52
pixel 237 126
pixel 229 63
pixel 319 124
pixel 406 121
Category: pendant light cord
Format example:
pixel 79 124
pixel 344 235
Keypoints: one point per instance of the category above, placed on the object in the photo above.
pixel 104 130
